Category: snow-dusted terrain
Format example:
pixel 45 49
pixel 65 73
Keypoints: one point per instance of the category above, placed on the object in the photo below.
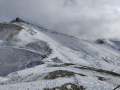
pixel 33 58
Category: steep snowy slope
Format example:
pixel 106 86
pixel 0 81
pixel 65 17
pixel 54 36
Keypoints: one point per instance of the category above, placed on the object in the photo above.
pixel 53 61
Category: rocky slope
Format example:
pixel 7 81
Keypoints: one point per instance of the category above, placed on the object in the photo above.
pixel 34 58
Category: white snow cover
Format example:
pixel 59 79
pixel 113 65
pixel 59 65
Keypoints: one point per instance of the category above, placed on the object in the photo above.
pixel 93 65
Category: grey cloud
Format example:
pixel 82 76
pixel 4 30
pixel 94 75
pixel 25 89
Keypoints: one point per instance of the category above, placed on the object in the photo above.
pixel 88 19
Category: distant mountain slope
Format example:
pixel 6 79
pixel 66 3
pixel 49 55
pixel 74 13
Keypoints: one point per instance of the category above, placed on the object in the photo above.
pixel 48 60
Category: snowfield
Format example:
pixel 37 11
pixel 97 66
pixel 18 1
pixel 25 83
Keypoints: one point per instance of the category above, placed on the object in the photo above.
pixel 33 58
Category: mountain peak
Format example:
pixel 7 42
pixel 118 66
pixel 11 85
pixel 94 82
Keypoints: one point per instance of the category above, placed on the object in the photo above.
pixel 101 41
pixel 17 20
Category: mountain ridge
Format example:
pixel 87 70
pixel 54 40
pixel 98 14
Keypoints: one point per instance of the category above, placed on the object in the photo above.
pixel 56 61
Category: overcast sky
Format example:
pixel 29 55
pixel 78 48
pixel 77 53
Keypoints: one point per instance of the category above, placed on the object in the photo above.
pixel 85 19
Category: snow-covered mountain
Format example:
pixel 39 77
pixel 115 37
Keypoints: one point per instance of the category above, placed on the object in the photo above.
pixel 34 58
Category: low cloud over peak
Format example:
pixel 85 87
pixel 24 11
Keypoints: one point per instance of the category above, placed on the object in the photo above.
pixel 88 19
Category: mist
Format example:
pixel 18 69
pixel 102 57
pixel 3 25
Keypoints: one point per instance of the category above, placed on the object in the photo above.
pixel 85 19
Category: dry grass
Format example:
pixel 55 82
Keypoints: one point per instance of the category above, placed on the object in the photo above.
pixel 61 73
pixel 64 87
pixel 99 70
